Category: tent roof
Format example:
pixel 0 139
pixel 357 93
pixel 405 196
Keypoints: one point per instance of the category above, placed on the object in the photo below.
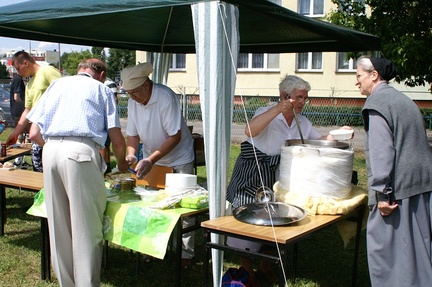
pixel 166 26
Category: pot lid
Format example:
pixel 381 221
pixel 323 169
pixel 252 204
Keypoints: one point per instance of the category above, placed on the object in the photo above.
pixel 269 213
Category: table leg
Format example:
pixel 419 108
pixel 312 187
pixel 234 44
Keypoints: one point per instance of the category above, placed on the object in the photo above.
pixel 294 263
pixel 45 252
pixel 105 254
pixel 284 266
pixel 2 209
pixel 178 251
pixel 282 270
pixel 206 260
pixel 137 265
pixel 357 245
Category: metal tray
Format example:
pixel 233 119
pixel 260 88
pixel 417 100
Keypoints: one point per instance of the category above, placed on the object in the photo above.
pixel 258 213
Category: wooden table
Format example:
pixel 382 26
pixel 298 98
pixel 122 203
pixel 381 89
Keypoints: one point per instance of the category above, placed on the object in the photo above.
pixel 285 237
pixel 176 234
pixel 13 153
pixel 16 178
pixel 31 181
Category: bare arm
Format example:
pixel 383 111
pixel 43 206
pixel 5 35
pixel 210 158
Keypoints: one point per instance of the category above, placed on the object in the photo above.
pixel 17 97
pixel 166 147
pixel 119 148
pixel 258 123
pixel 35 135
pixel 132 145
pixel 145 165
pixel 20 127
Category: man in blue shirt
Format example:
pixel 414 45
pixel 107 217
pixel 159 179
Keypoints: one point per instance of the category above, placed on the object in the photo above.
pixel 71 121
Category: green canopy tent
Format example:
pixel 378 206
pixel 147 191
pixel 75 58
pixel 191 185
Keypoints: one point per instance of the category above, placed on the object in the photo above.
pixel 216 31
pixel 166 26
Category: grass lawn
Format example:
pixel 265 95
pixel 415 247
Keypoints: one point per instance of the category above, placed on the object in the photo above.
pixel 322 261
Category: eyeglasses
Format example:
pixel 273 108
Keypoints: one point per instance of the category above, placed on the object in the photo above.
pixel 358 76
pixel 306 100
pixel 136 92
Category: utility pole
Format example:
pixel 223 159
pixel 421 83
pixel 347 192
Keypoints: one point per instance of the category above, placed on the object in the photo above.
pixel 59 62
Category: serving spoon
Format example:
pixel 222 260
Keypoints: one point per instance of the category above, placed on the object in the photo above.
pixel 298 126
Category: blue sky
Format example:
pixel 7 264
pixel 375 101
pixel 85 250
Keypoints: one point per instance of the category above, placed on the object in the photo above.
pixel 7 44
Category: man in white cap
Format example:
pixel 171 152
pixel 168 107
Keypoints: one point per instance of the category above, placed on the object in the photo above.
pixel 106 150
pixel 155 119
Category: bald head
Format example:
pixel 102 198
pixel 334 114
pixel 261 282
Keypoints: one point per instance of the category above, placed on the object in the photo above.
pixel 95 67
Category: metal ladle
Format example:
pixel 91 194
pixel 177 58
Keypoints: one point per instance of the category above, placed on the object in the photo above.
pixel 298 126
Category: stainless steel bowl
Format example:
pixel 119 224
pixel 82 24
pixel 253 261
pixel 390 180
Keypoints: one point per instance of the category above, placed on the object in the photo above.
pixel 269 213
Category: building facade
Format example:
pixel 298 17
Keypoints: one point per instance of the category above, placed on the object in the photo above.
pixel 42 57
pixel 329 73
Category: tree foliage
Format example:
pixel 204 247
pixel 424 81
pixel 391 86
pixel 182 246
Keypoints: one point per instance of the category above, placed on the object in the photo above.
pixel 71 60
pixel 116 60
pixel 3 72
pixel 405 30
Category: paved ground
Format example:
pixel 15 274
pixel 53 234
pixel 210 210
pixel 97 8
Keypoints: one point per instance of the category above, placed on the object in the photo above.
pixel 237 133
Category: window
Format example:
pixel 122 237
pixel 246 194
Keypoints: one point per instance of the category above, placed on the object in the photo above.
pixel 311 7
pixel 178 62
pixel 309 61
pixel 257 61
pixel 344 64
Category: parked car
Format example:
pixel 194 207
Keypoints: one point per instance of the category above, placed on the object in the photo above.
pixel 2 115
pixel 5 87
pixel 5 106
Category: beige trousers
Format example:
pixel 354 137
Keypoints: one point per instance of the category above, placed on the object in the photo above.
pixel 75 200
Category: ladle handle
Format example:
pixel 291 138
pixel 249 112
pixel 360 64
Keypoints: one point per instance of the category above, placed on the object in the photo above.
pixel 298 126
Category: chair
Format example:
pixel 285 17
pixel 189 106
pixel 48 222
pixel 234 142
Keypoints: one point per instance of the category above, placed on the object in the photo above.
pixel 155 178
pixel 199 151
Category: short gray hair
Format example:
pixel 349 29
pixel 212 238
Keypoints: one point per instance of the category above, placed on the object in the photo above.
pixel 290 83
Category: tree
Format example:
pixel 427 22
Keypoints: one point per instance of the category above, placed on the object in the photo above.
pixel 99 52
pixel 405 29
pixel 71 60
pixel 118 59
pixel 115 61
pixel 3 72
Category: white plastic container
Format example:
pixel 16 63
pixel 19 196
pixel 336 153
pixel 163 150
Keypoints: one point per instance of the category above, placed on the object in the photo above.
pixel 341 134
pixel 179 182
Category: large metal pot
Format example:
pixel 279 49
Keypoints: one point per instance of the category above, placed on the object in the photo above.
pixel 318 144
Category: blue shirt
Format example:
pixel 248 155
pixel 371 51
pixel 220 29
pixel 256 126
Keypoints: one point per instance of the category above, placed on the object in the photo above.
pixel 76 106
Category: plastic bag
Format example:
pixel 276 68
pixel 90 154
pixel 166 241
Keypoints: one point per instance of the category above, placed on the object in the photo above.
pixel 314 171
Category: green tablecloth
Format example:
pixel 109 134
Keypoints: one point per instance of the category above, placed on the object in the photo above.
pixel 130 222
